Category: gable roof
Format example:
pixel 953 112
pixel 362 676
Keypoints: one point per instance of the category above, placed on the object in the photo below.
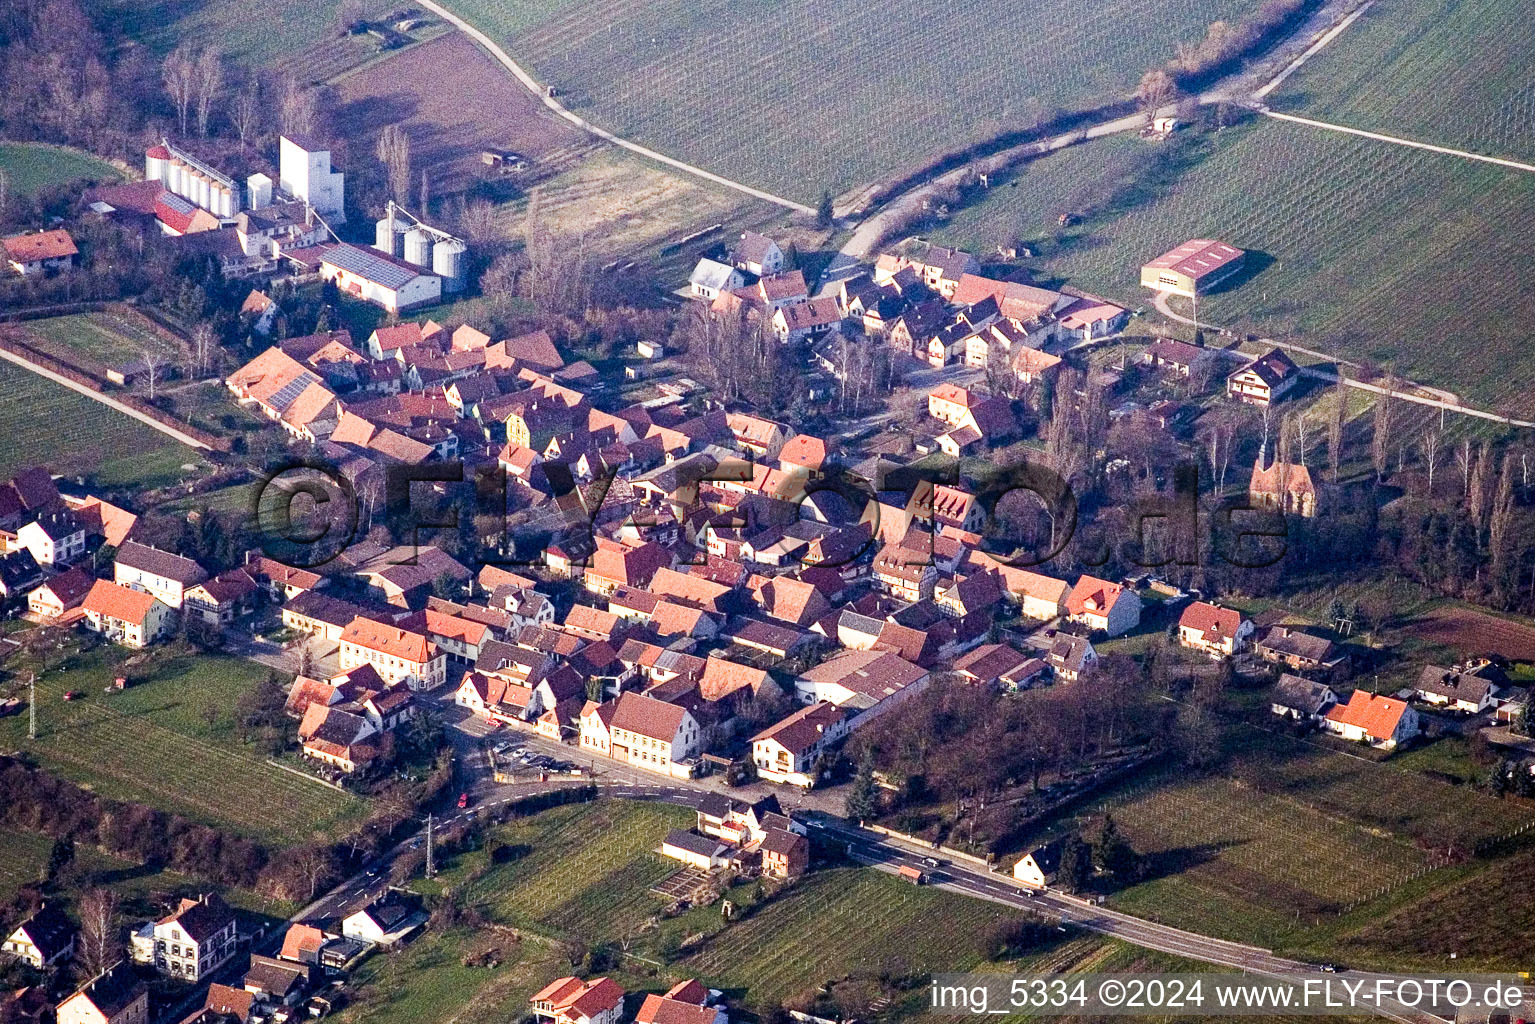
pixel 1212 621
pixel 111 601
pixel 1092 596
pixel 1377 716
pixel 1303 695
pixel 160 563
pixel 41 245
pixel 647 716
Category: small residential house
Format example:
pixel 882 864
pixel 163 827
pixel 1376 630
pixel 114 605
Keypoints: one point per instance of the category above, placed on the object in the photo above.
pixel 1178 358
pixel 223 599
pixel 710 278
pixel 1455 688
pixel 686 1003
pixel 1103 607
pixel 1301 699
pixel 1265 380
pixel 865 683
pixel 39 252
pixel 1384 722
pixel 166 575
pixel 60 594
pixel 758 254
pixel 42 940
pixel 54 538
pixel 115 996
pixel 1038 868
pixel 706 853
pixel 387 921
pixel 1219 632
pixel 195 940
pixel 1070 657
pixel 787 751
pixel 573 1001
pixel 129 617
pixel 1297 650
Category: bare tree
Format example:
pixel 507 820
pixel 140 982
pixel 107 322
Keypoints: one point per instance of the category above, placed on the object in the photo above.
pixel 1463 460
pixel 1156 89
pixel 202 348
pixel 100 946
pixel 1335 429
pixel 1380 440
pixel 394 153
pixel 424 197
pixel 179 72
pixel 300 110
pixel 1301 437
pixel 5 193
pixel 153 362
pixel 209 75
pixel 1430 448
pixel 245 111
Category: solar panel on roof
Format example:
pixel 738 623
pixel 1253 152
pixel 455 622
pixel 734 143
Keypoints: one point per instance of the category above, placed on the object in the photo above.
pixel 369 265
pixel 286 394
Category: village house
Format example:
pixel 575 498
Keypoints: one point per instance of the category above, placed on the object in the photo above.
pixel 1265 380
pixel 938 268
pixel 1297 650
pixel 1103 607
pixel 1178 357
pixel 788 750
pixel 1038 868
pixel 704 853
pixel 1195 267
pixel 1070 657
pixel 644 732
pixel 1219 632
pixel 865 683
pixel 53 538
pixel 129 617
pixel 1301 699
pixel 710 277
pixel 758 254
pixel 223 599
pixel 45 938
pixel 274 981
pixel 396 654
pixel 288 392
pixel 1287 487
pixel 320 615
pixel 1455 688
pixel 39 252
pixel 196 939
pixel 1384 722
pixel 573 1001
pixel 1000 667
pixel 386 922
pixel 60 594
pixel 165 575
pixel 686 1002
pixel 340 738
pixel 115 996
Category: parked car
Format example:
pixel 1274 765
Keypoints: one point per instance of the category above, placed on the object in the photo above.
pixel 73 695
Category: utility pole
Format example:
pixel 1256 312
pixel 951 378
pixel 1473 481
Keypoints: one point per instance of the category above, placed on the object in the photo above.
pixel 430 867
pixel 32 705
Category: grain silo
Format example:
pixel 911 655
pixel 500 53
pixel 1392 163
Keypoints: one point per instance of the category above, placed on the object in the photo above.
pixel 259 188
pixel 177 179
pixel 418 248
pixel 448 262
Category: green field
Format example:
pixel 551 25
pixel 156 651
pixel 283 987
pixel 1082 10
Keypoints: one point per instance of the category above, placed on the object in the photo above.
pixel 73 435
pixel 23 858
pixel 30 166
pixel 1288 835
pixel 1440 71
pixel 797 97
pixel 104 339
pixel 1423 263
pixel 155 743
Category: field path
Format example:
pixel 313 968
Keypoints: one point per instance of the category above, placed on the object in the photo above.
pixel 582 123
pixel 107 400
pixel 1396 140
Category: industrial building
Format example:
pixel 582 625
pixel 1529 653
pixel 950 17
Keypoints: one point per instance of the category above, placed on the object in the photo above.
pixel 304 172
pixel 380 278
pixel 403 236
pixel 1194 267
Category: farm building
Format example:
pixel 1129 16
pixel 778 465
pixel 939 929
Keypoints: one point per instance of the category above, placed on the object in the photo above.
pixel 379 278
pixel 39 252
pixel 1194 267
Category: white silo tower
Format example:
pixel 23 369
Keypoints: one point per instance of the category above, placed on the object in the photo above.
pixel 177 182
pixel 418 247
pixel 157 161
pixel 226 201
pixel 448 262
pixel 259 189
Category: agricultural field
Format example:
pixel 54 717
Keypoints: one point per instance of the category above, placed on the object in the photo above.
pixel 30 166
pixel 1439 71
pixel 169 741
pixel 708 82
pixel 1475 632
pixel 1287 836
pixel 454 101
pixel 98 341
pixel 23 858
pixel 284 27
pixel 73 435
pixel 1419 262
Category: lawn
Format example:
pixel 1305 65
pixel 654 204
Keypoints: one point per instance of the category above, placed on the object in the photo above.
pixel 30 166
pixel 797 97
pixel 1422 263
pixel 102 339
pixel 1440 71
pixel 47 423
pixel 169 742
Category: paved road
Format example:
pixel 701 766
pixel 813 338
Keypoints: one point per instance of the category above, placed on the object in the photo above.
pixel 582 123
pixel 107 400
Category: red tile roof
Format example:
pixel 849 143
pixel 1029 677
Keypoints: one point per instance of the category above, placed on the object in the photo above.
pixel 1377 716
pixel 111 601
pixel 44 245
